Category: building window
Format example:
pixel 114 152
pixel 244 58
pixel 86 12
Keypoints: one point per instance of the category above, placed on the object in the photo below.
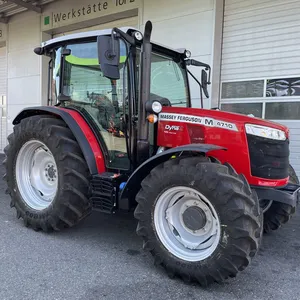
pixel 282 111
pixel 244 108
pixel 243 89
pixel 283 87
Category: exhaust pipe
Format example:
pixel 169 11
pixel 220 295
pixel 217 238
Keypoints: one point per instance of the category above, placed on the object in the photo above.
pixel 144 95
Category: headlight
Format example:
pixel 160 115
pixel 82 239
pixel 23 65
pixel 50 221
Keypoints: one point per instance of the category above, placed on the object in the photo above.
pixel 266 132
pixel 156 107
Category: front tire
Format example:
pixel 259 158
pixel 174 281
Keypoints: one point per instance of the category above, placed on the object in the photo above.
pixel 198 219
pixel 46 174
pixel 278 213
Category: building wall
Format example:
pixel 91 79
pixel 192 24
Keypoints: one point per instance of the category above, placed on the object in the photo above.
pixel 23 78
pixel 260 39
pixel 182 25
pixel 260 63
pixel 3 93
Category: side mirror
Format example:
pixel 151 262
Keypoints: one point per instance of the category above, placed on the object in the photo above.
pixel 204 83
pixel 109 56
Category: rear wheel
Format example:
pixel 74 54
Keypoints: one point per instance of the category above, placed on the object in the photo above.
pixel 46 174
pixel 278 214
pixel 198 219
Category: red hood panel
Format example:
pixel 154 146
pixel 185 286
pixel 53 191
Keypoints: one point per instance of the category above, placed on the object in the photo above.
pixel 224 116
pixel 182 126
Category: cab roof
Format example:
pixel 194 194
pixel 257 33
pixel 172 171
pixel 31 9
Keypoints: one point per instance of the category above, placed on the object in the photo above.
pixel 95 33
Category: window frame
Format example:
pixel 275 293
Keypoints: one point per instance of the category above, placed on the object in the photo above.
pixel 89 119
pixel 262 100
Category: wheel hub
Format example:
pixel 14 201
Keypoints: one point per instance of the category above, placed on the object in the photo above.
pixel 194 218
pixel 187 223
pixel 50 172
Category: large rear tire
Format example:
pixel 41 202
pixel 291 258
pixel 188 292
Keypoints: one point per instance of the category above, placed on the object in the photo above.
pixel 278 213
pixel 198 219
pixel 46 174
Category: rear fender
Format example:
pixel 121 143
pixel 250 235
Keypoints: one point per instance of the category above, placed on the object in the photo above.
pixel 80 129
pixel 133 185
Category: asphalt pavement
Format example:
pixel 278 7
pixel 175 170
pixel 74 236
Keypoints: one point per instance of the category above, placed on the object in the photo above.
pixel 102 258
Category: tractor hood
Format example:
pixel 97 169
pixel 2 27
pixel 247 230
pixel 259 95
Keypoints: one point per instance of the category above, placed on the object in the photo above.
pixel 181 126
pixel 215 118
pixel 255 147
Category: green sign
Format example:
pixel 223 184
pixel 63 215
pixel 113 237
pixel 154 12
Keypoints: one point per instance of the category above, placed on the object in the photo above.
pixel 47 20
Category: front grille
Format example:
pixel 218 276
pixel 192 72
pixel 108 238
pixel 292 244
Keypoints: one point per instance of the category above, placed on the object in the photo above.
pixel 268 158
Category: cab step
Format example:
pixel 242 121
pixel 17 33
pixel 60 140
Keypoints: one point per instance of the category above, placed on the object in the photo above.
pixel 104 191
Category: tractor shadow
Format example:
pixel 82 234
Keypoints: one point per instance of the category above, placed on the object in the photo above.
pixel 116 230
pixel 273 269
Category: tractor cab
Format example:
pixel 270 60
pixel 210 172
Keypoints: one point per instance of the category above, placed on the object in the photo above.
pixel 99 74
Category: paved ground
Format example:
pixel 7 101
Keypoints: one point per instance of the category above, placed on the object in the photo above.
pixel 102 259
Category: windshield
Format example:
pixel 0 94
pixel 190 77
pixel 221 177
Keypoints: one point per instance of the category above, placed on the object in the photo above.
pixel 169 80
pixel 83 76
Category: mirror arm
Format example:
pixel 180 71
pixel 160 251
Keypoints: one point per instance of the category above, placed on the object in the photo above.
pixel 129 39
pixel 192 62
pixel 201 96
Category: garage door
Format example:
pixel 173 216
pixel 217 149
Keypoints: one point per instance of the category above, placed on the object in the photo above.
pixel 260 71
pixel 128 22
pixel 3 90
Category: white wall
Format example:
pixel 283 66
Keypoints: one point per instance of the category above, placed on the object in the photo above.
pixel 294 127
pixel 183 25
pixel 261 39
pixel 3 96
pixel 24 86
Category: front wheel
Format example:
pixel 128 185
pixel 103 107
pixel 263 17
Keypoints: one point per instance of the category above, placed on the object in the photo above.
pixel 198 219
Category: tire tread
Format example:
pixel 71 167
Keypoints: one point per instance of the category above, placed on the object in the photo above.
pixel 73 204
pixel 246 227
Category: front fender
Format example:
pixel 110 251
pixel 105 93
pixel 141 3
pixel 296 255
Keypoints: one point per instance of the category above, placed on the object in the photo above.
pixel 133 184
pixel 80 129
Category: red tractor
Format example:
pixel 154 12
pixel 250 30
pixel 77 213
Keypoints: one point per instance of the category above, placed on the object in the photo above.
pixel 119 133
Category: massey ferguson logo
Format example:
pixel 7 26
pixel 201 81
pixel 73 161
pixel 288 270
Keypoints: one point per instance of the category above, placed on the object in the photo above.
pixel 172 128
pixel 205 121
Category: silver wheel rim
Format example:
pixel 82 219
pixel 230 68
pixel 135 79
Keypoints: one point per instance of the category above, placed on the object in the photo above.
pixel 186 237
pixel 36 175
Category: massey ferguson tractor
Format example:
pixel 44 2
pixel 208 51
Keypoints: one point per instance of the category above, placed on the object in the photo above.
pixel 119 134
